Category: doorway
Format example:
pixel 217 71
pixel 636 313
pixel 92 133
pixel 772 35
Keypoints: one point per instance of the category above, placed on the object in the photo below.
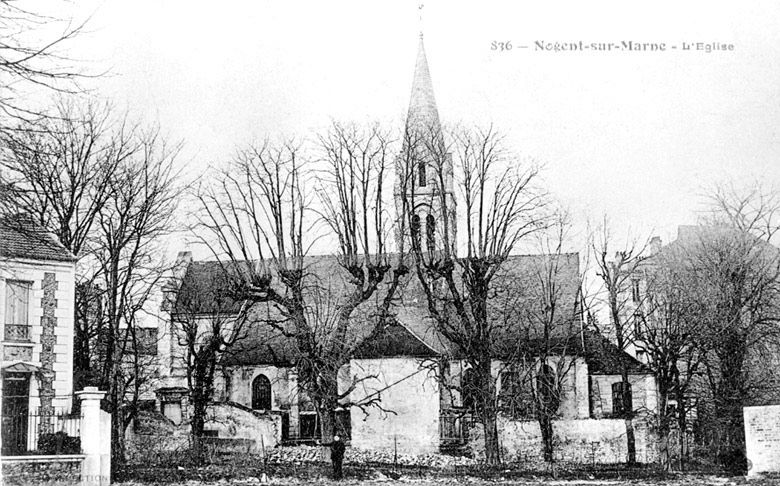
pixel 16 408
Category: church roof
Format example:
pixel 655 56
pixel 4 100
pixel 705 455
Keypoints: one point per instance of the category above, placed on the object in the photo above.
pixel 270 340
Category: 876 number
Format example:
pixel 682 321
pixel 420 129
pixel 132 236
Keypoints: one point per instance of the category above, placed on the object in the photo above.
pixel 501 46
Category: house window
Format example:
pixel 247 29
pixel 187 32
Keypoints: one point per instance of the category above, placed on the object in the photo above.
pixel 430 230
pixel 422 182
pixel 261 393
pixel 617 399
pixel 17 303
pixel 635 291
pixel 145 341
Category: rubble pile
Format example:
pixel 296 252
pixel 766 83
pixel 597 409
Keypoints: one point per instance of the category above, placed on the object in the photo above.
pixel 305 453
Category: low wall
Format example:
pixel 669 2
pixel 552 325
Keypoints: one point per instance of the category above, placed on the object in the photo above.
pixel 585 441
pixel 26 470
pixel 233 421
pixel 232 427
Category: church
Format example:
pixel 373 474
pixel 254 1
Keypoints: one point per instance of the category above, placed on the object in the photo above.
pixel 410 380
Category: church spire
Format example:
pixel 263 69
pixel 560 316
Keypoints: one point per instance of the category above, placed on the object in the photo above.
pixel 423 113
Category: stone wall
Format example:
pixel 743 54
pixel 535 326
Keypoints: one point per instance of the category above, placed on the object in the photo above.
pixel 578 441
pixel 762 439
pixel 236 428
pixel 60 471
pixel 264 429
pixel 408 420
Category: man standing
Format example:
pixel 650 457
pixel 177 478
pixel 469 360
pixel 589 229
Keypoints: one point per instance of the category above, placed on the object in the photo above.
pixel 337 449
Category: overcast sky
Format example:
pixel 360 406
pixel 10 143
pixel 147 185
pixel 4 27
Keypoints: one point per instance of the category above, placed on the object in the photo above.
pixel 635 135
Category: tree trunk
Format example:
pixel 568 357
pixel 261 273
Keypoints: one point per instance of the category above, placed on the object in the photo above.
pixel 546 426
pixel 628 410
pixel 196 429
pixel 486 401
pixel 492 452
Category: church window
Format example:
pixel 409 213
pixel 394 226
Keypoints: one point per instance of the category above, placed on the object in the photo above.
pixel 430 230
pixel 416 230
pixel 635 290
pixel 468 390
pixel 261 393
pixel 422 182
pixel 618 408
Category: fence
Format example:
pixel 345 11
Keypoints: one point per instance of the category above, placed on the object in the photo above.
pixel 41 432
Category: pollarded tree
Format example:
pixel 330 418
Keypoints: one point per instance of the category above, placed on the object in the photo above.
pixel 620 292
pixel 501 207
pixel 261 218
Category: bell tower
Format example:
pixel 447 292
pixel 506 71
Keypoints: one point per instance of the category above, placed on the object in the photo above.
pixel 424 173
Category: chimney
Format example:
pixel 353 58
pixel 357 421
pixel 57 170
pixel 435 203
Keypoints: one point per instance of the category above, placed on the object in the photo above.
pixel 655 245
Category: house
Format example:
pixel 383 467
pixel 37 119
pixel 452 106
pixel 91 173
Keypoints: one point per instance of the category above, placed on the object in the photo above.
pixel 36 311
pixel 406 389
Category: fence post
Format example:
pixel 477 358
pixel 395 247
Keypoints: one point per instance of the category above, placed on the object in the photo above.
pixel 93 444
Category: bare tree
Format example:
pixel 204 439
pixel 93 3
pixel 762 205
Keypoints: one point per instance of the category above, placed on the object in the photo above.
pixel 553 318
pixel 620 280
pixel 739 269
pixel 501 208
pixel 57 170
pixel 259 218
pixel 669 331
pixel 138 212
pixel 207 323
pixel 31 57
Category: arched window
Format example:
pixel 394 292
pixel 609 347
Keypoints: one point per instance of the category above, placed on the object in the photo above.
pixel 261 393
pixel 416 230
pixel 421 174
pixel 430 232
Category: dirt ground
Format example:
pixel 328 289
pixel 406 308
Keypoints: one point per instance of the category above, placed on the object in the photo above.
pixel 382 480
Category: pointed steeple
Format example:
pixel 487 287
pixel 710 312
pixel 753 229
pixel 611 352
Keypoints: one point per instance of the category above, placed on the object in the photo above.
pixel 423 113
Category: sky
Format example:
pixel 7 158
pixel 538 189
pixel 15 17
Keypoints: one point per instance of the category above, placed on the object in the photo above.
pixel 639 136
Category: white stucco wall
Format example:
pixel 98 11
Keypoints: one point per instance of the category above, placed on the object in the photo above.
pixel 34 272
pixel 582 441
pixel 410 394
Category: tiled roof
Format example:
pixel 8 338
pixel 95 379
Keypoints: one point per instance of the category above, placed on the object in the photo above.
pixel 20 238
pixel 414 333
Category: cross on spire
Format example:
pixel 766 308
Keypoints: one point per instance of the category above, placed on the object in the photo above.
pixel 420 17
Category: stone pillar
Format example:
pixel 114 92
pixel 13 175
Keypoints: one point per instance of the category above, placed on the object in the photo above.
pixel 48 340
pixel 96 468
